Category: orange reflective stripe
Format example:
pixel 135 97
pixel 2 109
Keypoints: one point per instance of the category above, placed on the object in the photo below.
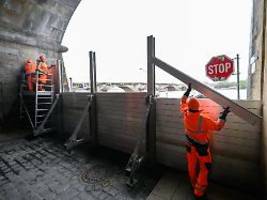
pixel 200 121
pixel 199 127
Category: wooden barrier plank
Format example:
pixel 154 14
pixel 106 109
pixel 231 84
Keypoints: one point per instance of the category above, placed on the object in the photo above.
pixel 245 103
pixel 122 112
pixel 120 142
pixel 123 130
pixel 176 118
pixel 230 129
pixel 120 119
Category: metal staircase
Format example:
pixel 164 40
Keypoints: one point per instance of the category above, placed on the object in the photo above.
pixel 39 105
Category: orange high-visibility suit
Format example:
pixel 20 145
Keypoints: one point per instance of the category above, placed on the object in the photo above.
pixel 43 70
pixel 197 129
pixel 30 68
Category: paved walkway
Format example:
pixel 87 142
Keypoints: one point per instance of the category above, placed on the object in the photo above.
pixel 42 169
pixel 175 186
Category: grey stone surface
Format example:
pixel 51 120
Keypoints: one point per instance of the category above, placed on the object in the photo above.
pixel 176 186
pixel 42 169
pixel 27 29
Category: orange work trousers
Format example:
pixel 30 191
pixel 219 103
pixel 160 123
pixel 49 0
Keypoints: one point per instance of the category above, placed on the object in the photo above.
pixel 42 81
pixel 30 82
pixel 199 162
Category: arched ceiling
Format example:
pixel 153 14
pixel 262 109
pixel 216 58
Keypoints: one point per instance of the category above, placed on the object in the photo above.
pixel 28 28
pixel 40 23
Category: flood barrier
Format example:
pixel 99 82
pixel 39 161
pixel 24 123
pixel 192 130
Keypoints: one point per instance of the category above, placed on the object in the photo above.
pixel 236 149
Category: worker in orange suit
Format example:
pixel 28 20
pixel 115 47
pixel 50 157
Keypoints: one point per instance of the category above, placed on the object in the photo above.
pixel 30 68
pixel 198 127
pixel 43 70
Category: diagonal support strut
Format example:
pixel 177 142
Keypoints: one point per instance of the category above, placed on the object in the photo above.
pixel 240 111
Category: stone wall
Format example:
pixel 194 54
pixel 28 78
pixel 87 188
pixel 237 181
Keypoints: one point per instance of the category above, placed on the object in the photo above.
pixel 258 80
pixel 27 29
pixel 256 58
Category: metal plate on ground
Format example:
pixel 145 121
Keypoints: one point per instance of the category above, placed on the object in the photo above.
pixel 95 174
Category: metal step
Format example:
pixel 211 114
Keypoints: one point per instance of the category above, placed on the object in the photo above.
pixel 45 93
pixel 45 97
pixel 44 103
pixel 41 115
pixel 43 110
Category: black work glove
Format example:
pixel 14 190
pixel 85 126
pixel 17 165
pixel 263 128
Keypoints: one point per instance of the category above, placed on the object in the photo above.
pixel 224 113
pixel 188 90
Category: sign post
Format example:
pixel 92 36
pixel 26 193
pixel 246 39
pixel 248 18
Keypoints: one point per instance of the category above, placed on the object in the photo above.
pixel 237 75
pixel 219 68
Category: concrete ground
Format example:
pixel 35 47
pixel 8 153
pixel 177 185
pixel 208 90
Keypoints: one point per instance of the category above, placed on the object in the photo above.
pixel 175 186
pixel 42 169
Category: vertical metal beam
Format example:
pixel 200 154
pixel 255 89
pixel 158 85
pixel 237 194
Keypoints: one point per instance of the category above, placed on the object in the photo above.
pixel 62 70
pixel 150 65
pixel 59 73
pixel 59 107
pixel 1 104
pixel 92 71
pixel 92 110
pixel 70 84
pixel 36 98
pixel 151 127
pixel 95 85
pixel 237 75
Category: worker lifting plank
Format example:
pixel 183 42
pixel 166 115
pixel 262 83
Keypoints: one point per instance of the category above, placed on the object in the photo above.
pixel 240 111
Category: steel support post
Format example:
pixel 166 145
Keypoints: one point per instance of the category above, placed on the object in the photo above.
pixel 237 75
pixel 151 127
pixel 59 74
pixel 1 104
pixel 62 68
pixel 59 107
pixel 71 84
pixel 92 110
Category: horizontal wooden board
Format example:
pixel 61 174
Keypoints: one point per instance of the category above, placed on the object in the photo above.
pixel 177 128
pixel 123 130
pixel 239 151
pixel 245 103
pixel 122 111
pixel 122 95
pixel 226 168
pixel 231 123
pixel 119 142
pixel 120 118
pixel 175 112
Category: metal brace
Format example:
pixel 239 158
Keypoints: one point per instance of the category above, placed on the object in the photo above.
pixel 73 139
pixel 136 159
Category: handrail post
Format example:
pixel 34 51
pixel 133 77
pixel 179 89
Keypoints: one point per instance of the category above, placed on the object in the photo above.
pixel 151 132
pixel 92 111
pixel 59 74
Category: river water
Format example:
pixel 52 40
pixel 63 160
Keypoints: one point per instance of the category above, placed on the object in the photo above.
pixel 230 93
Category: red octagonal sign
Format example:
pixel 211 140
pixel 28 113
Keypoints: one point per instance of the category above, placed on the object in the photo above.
pixel 220 68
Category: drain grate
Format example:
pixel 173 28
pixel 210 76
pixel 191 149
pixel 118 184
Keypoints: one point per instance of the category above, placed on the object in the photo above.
pixel 96 174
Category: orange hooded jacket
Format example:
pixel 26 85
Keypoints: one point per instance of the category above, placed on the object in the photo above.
pixel 198 126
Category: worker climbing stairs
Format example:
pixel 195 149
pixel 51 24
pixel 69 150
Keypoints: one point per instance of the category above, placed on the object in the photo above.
pixel 37 105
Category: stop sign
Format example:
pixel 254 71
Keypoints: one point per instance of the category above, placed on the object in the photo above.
pixel 220 68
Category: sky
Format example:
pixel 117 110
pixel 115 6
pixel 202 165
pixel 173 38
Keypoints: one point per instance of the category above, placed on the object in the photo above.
pixel 187 33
